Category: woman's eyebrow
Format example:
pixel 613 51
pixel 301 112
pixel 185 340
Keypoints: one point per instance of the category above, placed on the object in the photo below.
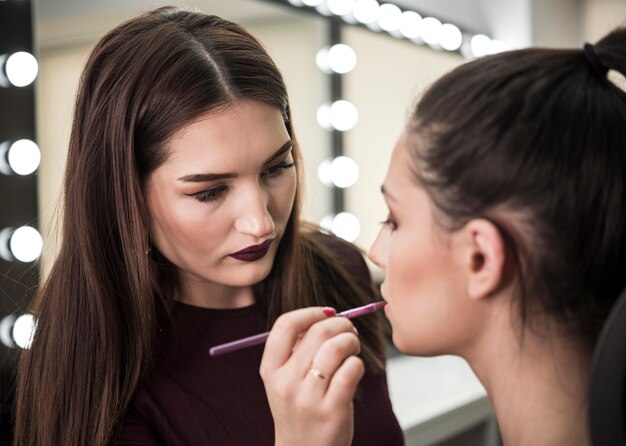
pixel 284 148
pixel 204 177
pixel 386 193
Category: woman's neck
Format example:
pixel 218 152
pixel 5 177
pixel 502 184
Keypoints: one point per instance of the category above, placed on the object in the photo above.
pixel 537 385
pixel 202 293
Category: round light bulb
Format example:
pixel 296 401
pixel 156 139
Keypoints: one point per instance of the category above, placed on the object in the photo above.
pixel 389 16
pixel 346 226
pixel 341 58
pixel 340 7
pixel 326 223
pixel 24 157
pixel 431 30
pixel 6 329
pixel 323 172
pixel 321 60
pixel 343 115
pixel 410 24
pixel 21 68
pixel 451 37
pixel 323 117
pixel 365 11
pixel 344 172
pixel 296 2
pixel 26 244
pixel 480 45
pixel 24 330
pixel 312 2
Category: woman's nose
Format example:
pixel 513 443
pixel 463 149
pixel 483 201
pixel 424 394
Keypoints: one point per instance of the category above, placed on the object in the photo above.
pixel 255 218
pixel 378 251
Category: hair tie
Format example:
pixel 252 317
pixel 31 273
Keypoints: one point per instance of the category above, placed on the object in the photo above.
pixel 594 61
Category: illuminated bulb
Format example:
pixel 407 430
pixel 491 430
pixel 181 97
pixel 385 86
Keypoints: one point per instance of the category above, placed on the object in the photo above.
pixel 24 330
pixel 431 30
pixel 6 328
pixel 24 244
pixel 312 2
pixel 340 7
pixel 365 11
pixel 410 24
pixel 344 172
pixel 21 157
pixel 451 37
pixel 346 226
pixel 326 222
pixel 343 115
pixel 323 172
pixel 480 45
pixel 389 17
pixel 323 117
pixel 19 69
pixel 322 8
pixel 296 2
pixel 340 58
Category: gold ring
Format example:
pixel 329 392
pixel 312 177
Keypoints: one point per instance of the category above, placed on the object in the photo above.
pixel 317 373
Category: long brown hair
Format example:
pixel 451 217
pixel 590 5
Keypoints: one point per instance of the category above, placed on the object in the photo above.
pixel 98 311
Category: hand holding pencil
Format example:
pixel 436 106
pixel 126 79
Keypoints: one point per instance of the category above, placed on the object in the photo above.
pixel 311 370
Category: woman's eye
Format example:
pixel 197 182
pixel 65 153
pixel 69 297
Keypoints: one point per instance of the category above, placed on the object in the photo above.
pixel 390 223
pixel 278 169
pixel 213 194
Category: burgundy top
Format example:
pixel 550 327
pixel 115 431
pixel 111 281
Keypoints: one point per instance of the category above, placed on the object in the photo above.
pixel 193 399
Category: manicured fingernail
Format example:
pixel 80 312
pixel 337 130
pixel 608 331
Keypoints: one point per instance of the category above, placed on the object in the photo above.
pixel 329 311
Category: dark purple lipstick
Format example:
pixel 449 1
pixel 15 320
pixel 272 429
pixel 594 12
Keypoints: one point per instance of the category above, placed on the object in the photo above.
pixel 252 253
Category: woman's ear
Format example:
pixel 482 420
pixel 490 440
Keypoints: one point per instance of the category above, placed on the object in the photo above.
pixel 483 255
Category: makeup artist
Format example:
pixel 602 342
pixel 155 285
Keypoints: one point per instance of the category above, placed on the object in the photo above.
pixel 505 242
pixel 181 230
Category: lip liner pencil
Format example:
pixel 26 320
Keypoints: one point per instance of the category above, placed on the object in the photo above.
pixel 262 337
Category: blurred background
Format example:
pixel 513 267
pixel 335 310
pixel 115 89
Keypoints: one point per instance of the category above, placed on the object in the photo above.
pixel 353 69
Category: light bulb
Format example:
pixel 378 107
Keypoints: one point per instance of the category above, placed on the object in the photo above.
pixel 19 69
pixel 343 115
pixel 296 2
pixel 341 58
pixel 365 11
pixel 6 329
pixel 340 7
pixel 431 30
pixel 323 172
pixel 24 330
pixel 480 45
pixel 25 244
pixel 323 117
pixel 389 16
pixel 21 157
pixel 326 222
pixel 451 37
pixel 346 226
pixel 344 172
pixel 410 24
pixel 312 2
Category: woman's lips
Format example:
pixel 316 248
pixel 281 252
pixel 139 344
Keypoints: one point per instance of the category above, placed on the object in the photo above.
pixel 252 253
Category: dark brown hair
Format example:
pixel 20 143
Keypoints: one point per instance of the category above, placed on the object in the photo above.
pixel 540 134
pixel 98 311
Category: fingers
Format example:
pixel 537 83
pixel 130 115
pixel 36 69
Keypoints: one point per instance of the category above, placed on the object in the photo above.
pixel 285 334
pixel 317 335
pixel 328 359
pixel 344 382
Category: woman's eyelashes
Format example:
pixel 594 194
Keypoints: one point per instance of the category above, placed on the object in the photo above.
pixel 390 223
pixel 213 194
pixel 278 169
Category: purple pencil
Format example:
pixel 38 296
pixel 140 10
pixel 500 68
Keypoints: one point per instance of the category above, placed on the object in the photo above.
pixel 262 337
